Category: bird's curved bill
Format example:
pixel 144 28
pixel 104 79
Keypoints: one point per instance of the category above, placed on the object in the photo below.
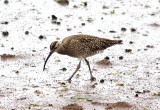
pixel 47 60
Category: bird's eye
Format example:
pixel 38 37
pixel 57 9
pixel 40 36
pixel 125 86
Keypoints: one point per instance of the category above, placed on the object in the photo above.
pixel 52 47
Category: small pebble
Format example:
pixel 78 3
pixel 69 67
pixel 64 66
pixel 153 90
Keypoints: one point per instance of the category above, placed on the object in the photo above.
pixel 123 13
pixel 33 50
pixel 112 12
pixel 58 23
pixel 64 69
pixel 150 46
pixel 83 24
pixel 102 81
pixel 93 86
pixel 75 6
pixel 37 92
pixel 121 57
pixel 105 7
pixel 6 2
pixel 63 2
pixel 54 19
pixel 41 37
pixel 123 29
pixel 26 33
pixel 57 38
pixel 139 50
pixel 69 29
pixel 136 95
pixel 90 20
pixel 12 48
pixel 133 30
pixel 4 22
pixel 128 50
pixel 5 33
pixel 120 84
pixel 112 31
pixel 84 4
pixel 50 105
pixel 107 58
pixel 2 45
pixel 63 83
pixel 17 72
pixel 146 91
pixel 131 42
pixel 145 49
pixel 138 92
pixel 145 34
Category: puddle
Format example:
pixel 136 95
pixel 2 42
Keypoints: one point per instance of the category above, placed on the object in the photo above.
pixel 5 57
pixel 103 63
pixel 155 25
pixel 73 107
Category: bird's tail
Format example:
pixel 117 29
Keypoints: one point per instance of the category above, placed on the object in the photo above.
pixel 109 43
pixel 114 42
pixel 119 41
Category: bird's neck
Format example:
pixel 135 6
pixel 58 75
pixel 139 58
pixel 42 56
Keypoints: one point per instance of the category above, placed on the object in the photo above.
pixel 60 49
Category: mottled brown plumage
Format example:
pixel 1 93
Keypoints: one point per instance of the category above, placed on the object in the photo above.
pixel 81 46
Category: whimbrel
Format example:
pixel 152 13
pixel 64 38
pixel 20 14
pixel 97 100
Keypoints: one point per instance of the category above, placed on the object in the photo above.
pixel 81 46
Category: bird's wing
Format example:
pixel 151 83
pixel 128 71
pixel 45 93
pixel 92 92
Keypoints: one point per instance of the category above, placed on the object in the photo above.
pixel 66 42
pixel 89 43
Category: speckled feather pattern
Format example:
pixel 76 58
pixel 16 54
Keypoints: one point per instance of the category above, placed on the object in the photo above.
pixel 82 46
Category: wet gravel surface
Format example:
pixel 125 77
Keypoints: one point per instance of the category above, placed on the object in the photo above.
pixel 127 75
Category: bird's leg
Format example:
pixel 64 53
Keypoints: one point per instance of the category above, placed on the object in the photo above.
pixel 92 78
pixel 69 80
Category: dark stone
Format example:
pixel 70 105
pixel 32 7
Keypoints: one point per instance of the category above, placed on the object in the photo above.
pixel 133 30
pixel 131 42
pixel 64 69
pixel 123 29
pixel 41 37
pixel 6 2
pixel 26 33
pixel 102 81
pixel 83 24
pixel 5 33
pixel 121 57
pixel 107 58
pixel 112 31
pixel 136 95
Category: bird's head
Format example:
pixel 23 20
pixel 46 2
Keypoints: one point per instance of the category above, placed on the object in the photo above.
pixel 53 48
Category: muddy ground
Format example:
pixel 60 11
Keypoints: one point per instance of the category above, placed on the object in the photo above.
pixel 127 75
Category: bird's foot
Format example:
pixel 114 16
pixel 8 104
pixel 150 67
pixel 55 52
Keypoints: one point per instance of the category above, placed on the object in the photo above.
pixel 93 78
pixel 69 80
